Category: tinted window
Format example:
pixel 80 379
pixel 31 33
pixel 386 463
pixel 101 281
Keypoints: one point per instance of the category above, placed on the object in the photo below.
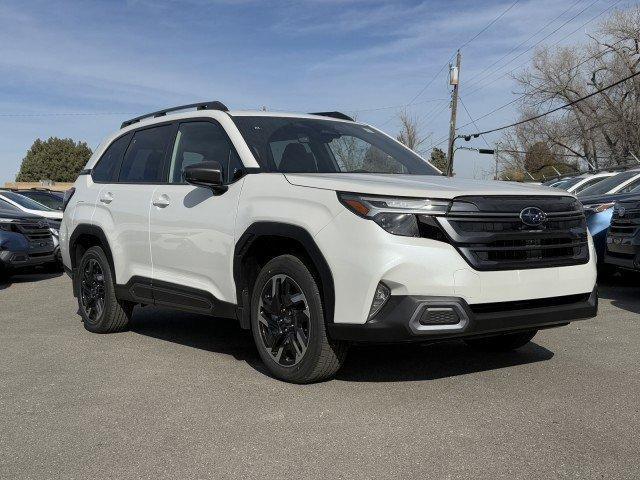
pixel 609 184
pixel 588 183
pixel 288 145
pixel 25 202
pixel 4 205
pixel 106 168
pixel 144 160
pixel 630 187
pixel 201 142
pixel 50 200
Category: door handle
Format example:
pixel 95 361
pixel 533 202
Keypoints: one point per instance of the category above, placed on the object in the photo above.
pixel 162 201
pixel 106 198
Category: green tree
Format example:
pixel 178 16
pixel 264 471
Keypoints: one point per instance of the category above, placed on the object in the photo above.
pixel 439 159
pixel 57 159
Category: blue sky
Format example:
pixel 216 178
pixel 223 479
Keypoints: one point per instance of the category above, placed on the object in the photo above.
pixel 131 57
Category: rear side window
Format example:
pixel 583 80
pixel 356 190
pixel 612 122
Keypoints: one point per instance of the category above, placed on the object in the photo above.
pixel 201 142
pixel 106 169
pixel 144 160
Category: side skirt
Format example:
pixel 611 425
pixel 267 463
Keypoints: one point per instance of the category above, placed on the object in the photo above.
pixel 165 294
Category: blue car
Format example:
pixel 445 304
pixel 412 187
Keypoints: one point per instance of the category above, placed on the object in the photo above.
pixel 598 210
pixel 25 241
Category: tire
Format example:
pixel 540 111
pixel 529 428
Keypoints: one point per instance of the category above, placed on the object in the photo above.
pixel 282 322
pixel 502 343
pixel 99 308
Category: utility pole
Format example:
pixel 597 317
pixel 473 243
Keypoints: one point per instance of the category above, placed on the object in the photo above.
pixel 454 79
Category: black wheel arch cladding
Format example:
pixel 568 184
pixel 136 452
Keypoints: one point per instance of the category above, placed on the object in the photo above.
pixel 286 232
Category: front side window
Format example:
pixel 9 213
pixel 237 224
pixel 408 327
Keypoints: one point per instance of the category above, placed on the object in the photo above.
pixel 301 145
pixel 144 160
pixel 107 167
pixel 588 183
pixel 202 142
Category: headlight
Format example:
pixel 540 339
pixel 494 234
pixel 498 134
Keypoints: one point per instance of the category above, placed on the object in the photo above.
pixel 5 224
pixel 599 207
pixel 396 215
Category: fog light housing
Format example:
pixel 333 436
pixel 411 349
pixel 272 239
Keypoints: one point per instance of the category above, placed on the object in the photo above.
pixel 380 298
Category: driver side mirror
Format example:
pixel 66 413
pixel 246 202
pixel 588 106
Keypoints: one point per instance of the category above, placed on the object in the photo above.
pixel 206 174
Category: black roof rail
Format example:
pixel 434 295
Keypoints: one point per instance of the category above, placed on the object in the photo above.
pixel 215 105
pixel 338 115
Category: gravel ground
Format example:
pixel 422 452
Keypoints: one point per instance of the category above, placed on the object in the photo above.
pixel 185 396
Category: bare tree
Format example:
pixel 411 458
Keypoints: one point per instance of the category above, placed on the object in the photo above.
pixel 410 132
pixel 601 130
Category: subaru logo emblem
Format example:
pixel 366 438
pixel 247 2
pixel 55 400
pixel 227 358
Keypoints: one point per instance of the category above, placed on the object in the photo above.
pixel 621 211
pixel 532 216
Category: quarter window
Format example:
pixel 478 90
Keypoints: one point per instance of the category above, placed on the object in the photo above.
pixel 201 142
pixel 107 167
pixel 144 160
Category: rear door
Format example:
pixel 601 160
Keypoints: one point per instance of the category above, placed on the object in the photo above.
pixel 123 204
pixel 191 229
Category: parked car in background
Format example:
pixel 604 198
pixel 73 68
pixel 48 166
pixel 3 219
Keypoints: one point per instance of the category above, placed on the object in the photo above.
pixel 598 210
pixel 38 210
pixel 25 241
pixel 623 239
pixel 577 184
pixel 622 182
pixel 29 205
pixel 48 198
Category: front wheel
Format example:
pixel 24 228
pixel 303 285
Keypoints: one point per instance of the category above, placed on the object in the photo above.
pixel 287 320
pixel 99 308
pixel 502 343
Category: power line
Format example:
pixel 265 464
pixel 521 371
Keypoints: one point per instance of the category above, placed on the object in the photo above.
pixel 523 42
pixel 375 109
pixel 61 114
pixel 488 25
pixel 592 57
pixel 459 48
pixel 473 121
pixel 558 108
pixel 480 87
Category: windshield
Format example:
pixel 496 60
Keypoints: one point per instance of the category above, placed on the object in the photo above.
pixel 4 205
pixel 566 184
pixel 300 145
pixel 50 200
pixel 24 201
pixel 610 183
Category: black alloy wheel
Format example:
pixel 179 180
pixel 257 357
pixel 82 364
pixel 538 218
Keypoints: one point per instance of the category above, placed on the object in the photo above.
pixel 284 320
pixel 92 290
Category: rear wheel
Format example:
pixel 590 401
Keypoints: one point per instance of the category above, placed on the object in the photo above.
pixel 287 321
pixel 99 308
pixel 502 343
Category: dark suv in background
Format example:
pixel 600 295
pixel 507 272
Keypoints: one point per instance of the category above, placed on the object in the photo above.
pixel 623 239
pixel 25 241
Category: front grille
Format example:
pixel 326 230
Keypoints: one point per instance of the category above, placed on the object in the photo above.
pixel 626 219
pixel 528 304
pixel 493 237
pixel 35 232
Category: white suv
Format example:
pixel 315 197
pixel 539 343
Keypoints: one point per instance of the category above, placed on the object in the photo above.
pixel 315 232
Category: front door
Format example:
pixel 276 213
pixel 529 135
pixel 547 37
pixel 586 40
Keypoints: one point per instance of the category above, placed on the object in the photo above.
pixel 191 229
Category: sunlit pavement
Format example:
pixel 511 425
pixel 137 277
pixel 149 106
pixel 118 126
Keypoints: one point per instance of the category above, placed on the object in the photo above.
pixel 185 396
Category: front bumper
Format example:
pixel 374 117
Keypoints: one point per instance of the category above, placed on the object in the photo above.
pixel 403 318
pixel 623 250
pixel 25 259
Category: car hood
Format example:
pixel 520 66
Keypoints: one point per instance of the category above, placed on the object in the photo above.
pixel 434 186
pixel 13 215
pixel 606 198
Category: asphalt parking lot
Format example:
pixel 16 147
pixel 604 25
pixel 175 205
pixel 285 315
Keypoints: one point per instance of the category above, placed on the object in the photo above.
pixel 185 396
